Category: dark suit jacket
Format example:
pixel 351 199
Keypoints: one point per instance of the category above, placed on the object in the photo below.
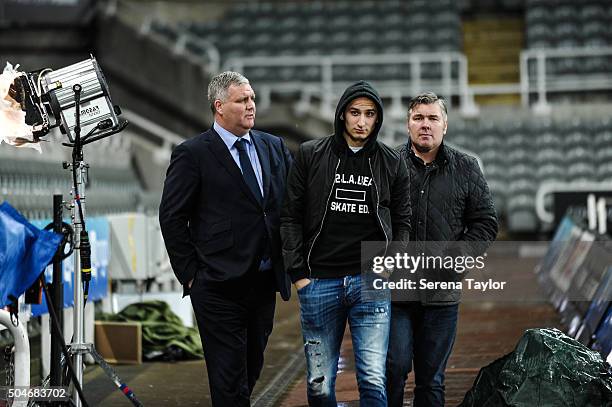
pixel 210 220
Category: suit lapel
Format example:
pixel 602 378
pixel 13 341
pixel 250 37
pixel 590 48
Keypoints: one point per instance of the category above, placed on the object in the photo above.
pixel 224 157
pixel 264 160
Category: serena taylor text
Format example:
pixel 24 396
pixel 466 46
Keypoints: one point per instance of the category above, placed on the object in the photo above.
pixel 424 284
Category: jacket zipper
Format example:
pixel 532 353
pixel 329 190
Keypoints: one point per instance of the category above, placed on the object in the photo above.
pixel 331 191
pixel 422 201
pixel 377 204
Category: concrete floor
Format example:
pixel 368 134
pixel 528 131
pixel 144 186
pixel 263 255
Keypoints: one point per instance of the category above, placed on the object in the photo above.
pixel 487 331
pixel 185 383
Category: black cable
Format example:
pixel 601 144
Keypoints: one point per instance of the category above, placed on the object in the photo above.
pixel 77 197
pixel 77 151
pixel 68 239
pixel 58 332
pixel 77 156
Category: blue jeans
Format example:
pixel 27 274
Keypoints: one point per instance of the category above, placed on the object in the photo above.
pixel 326 305
pixel 423 336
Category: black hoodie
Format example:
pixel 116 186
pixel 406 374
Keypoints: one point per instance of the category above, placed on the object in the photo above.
pixel 357 90
pixel 311 186
pixel 350 218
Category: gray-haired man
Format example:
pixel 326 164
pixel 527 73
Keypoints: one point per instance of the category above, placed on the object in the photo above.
pixel 219 216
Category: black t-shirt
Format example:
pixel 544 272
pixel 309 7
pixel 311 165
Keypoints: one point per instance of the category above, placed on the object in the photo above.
pixel 350 219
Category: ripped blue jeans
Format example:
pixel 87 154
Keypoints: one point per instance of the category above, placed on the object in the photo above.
pixel 326 305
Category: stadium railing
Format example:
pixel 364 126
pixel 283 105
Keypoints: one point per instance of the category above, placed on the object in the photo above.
pixel 327 86
pixel 543 80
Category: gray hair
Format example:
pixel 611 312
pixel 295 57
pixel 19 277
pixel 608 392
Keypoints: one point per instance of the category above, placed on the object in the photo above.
pixel 219 85
pixel 427 98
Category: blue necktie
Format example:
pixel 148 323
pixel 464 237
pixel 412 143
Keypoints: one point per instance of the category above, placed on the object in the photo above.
pixel 247 169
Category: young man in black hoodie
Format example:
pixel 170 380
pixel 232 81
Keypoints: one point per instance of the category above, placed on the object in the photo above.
pixel 344 189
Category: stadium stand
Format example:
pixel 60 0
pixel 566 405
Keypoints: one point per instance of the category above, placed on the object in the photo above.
pixel 329 28
pixel 573 152
pixel 569 45
pixel 289 33
pixel 299 54
pixel 568 25
pixel 29 179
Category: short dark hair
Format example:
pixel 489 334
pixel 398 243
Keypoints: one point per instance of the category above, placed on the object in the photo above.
pixel 427 98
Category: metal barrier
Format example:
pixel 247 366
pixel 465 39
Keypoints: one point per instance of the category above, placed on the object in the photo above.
pixel 328 87
pixel 22 353
pixel 546 82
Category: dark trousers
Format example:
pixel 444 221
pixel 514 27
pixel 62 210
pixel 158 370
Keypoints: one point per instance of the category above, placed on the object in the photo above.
pixel 422 336
pixel 235 320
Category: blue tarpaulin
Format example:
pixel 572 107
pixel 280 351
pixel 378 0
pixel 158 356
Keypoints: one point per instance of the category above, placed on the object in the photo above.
pixel 99 231
pixel 25 251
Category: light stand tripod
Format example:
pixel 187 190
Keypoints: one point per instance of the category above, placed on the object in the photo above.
pixel 82 248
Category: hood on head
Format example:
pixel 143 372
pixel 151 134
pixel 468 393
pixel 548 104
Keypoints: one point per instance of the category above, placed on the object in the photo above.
pixel 354 91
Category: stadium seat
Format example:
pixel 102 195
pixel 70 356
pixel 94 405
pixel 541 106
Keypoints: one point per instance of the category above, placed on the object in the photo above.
pixel 567 25
pixel 517 141
pixel 564 12
pixel 29 185
pixel 551 155
pixel 580 154
pixel 526 186
pixel 547 140
pixel 521 213
pixel 314 23
pixel 535 15
pixel 519 156
pixel 551 172
pixel 390 71
pixel 603 155
pixel 489 142
pixel 334 28
pixel 592 12
pixel 603 140
pixel 309 73
pixel 494 158
pixel 463 140
pixel 431 70
pixel 539 32
pixel 577 139
pixel 581 171
pixel 604 172
pixel 521 171
pixel 595 64
pixel 564 66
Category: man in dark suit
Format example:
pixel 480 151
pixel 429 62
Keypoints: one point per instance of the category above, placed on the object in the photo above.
pixel 220 218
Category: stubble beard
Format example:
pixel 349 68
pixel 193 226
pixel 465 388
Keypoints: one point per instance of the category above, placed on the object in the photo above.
pixel 422 149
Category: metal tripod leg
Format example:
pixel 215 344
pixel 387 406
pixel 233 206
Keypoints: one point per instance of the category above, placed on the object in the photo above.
pixel 88 348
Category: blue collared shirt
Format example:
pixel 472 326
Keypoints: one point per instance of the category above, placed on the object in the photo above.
pixel 230 139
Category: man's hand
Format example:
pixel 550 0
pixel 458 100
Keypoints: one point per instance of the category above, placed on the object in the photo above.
pixel 301 283
pixel 190 283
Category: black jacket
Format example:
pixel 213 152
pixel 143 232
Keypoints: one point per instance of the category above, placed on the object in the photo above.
pixel 311 179
pixel 211 222
pixel 450 201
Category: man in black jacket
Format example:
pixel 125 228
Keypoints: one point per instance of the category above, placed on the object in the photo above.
pixel 343 189
pixel 220 218
pixel 450 202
